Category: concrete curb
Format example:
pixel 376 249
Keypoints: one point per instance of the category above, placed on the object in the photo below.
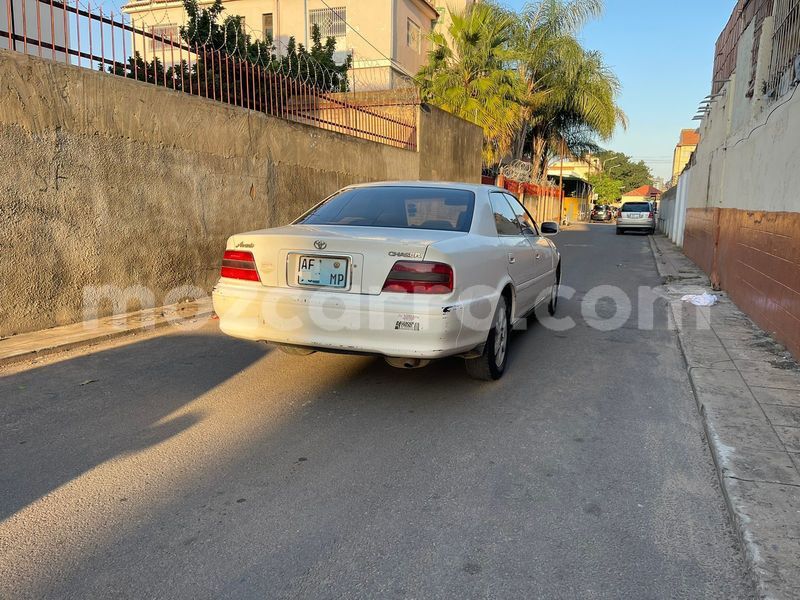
pixel 727 486
pixel 25 346
pixel 744 399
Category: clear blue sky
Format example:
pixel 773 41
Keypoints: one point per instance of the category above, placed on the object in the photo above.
pixel 663 52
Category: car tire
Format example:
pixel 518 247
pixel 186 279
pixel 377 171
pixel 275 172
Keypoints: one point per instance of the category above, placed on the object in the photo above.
pixel 552 306
pixel 491 364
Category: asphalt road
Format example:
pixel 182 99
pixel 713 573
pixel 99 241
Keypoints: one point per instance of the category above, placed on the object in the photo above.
pixel 190 465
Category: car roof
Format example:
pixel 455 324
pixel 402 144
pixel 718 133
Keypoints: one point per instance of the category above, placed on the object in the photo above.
pixel 454 185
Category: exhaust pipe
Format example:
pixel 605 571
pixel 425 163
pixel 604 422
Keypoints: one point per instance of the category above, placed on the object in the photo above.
pixel 407 363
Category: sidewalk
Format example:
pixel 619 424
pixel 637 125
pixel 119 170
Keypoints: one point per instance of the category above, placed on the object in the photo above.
pixel 748 391
pixel 25 346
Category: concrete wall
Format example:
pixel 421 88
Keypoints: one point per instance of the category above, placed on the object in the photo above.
pixel 108 181
pixel 667 209
pixel 447 147
pixel 743 215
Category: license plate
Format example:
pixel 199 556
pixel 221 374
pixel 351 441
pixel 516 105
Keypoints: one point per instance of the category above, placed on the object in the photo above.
pixel 322 271
pixel 636 215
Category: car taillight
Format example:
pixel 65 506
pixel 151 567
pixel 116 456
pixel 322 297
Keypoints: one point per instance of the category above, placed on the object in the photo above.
pixel 239 265
pixel 413 277
pixel 650 216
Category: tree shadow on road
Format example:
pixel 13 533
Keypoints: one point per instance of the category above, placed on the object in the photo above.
pixel 50 416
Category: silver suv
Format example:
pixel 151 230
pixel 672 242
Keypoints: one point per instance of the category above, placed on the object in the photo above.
pixel 636 216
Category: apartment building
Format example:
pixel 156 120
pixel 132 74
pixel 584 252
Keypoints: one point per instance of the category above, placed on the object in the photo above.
pixel 387 39
pixel 683 151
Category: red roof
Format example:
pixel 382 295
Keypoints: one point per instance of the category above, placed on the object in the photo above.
pixel 689 137
pixel 646 191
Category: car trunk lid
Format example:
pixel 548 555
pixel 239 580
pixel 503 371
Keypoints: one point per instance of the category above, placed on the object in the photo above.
pixel 334 258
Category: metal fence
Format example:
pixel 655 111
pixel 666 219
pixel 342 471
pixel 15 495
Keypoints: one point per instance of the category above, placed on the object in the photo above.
pixel 744 13
pixel 83 35
pixel 725 50
pixel 784 65
pixel 760 10
pixel 785 47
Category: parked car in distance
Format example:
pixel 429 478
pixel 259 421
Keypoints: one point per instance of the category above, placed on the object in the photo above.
pixel 636 216
pixel 601 212
pixel 409 271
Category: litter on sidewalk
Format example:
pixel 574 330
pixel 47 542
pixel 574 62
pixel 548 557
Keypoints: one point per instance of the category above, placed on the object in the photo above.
pixel 703 299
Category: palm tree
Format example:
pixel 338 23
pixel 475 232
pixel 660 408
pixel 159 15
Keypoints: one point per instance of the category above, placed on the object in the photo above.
pixel 526 80
pixel 473 77
pixel 572 92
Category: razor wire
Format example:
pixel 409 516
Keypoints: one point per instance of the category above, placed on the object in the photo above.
pixel 518 170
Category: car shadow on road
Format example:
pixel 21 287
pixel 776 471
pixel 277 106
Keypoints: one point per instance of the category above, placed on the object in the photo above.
pixel 50 415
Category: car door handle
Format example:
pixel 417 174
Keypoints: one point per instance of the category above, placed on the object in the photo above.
pixel 538 256
pixel 511 258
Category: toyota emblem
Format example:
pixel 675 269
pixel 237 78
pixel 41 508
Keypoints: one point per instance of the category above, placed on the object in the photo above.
pixel 320 245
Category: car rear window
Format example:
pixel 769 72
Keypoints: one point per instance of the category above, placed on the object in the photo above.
pixel 636 207
pixel 441 209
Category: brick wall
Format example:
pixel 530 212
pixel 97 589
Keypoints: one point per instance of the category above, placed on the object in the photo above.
pixel 759 266
pixel 698 240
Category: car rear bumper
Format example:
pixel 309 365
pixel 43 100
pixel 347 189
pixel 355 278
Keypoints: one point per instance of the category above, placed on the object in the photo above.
pixel 397 325
pixel 635 224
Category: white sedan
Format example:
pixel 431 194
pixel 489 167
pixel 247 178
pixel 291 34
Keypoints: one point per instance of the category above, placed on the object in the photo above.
pixel 411 271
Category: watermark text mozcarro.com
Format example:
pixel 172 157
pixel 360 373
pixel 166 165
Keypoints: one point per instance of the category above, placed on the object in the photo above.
pixel 603 308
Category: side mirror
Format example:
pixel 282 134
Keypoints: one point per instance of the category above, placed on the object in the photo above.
pixel 549 228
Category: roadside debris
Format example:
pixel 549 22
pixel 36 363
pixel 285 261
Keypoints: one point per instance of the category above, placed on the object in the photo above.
pixel 703 299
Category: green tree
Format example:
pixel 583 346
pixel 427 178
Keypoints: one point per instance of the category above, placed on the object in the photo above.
pixel 607 188
pixel 315 67
pixel 526 80
pixel 573 92
pixel 622 167
pixel 152 72
pixel 472 77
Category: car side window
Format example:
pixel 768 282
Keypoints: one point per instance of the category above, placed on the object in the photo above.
pixel 525 220
pixel 504 218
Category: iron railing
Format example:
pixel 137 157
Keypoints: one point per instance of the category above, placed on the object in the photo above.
pixel 80 34
pixel 725 50
pixel 761 9
pixel 744 13
pixel 785 47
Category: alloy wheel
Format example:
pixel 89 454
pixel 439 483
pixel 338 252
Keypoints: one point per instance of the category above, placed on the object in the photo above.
pixel 500 335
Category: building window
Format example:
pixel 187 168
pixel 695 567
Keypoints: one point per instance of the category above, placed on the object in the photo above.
pixel 267 27
pixel 413 36
pixel 167 32
pixel 332 22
